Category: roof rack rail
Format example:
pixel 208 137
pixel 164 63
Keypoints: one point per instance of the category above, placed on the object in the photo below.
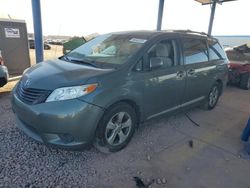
pixel 190 31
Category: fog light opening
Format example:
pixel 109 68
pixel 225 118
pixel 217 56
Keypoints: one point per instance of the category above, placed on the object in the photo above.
pixel 67 138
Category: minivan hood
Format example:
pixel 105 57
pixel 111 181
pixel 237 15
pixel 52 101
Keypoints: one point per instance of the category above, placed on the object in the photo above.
pixel 53 74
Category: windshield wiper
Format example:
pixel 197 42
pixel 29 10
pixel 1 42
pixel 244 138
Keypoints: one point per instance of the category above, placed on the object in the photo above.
pixel 64 57
pixel 79 61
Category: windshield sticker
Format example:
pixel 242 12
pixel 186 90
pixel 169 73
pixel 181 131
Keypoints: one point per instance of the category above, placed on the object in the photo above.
pixel 136 40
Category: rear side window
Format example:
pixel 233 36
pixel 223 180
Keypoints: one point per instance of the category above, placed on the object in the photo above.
pixel 215 51
pixel 195 50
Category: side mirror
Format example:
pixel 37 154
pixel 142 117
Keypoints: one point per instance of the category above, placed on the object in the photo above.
pixel 155 62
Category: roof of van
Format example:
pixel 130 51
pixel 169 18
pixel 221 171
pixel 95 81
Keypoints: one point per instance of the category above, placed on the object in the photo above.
pixel 151 33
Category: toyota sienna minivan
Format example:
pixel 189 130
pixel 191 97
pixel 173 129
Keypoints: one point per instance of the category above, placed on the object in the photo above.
pixel 99 93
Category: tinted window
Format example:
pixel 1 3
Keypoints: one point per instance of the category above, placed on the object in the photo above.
pixel 215 51
pixel 164 51
pixel 195 51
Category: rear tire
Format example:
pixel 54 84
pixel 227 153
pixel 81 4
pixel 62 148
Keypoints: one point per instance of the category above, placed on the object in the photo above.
pixel 213 97
pixel 116 128
pixel 245 81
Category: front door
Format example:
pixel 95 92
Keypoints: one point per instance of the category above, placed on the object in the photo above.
pixel 163 84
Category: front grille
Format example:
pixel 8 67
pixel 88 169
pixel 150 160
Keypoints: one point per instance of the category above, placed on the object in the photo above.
pixel 31 95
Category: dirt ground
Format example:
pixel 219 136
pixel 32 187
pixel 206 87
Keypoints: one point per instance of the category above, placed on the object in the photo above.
pixel 172 151
pixel 54 52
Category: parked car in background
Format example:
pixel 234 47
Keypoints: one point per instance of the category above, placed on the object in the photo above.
pixel 239 66
pixel 57 41
pixel 239 74
pixel 32 45
pixel 100 92
pixel 4 75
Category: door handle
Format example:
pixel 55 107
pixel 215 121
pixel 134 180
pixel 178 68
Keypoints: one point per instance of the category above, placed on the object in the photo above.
pixel 191 72
pixel 180 75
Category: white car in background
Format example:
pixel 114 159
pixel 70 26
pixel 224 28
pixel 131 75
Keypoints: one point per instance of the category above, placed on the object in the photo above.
pixel 4 75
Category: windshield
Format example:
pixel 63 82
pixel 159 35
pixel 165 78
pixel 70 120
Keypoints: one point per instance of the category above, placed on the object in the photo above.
pixel 109 50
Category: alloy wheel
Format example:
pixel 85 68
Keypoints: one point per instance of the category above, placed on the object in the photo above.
pixel 118 128
pixel 213 96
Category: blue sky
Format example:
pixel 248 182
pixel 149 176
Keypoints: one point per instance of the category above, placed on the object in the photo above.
pixel 83 17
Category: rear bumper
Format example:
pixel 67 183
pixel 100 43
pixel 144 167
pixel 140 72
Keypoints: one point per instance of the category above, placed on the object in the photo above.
pixel 67 124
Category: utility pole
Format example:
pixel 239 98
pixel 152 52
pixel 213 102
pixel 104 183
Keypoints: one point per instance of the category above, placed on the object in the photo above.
pixel 160 14
pixel 37 22
pixel 211 21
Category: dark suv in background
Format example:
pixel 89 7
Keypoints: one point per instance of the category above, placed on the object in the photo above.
pixel 100 92
pixel 32 45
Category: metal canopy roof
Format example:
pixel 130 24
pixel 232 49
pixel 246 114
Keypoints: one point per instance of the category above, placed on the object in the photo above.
pixel 213 7
pixel 206 2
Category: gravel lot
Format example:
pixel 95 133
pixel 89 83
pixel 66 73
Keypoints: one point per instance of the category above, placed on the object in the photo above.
pixel 26 163
pixel 150 155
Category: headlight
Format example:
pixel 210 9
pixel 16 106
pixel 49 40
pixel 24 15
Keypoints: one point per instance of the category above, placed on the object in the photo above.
pixel 66 93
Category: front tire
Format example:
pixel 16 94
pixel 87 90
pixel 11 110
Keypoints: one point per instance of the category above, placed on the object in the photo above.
pixel 116 128
pixel 3 81
pixel 213 97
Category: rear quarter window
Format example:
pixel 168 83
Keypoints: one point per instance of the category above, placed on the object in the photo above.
pixel 215 51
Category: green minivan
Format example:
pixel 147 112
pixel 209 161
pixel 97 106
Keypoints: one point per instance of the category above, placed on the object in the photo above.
pixel 99 93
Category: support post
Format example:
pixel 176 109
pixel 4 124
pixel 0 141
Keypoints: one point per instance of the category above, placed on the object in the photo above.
pixel 160 13
pixel 210 27
pixel 37 23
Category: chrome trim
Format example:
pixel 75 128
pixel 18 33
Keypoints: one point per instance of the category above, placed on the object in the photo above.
pixel 192 101
pixel 205 68
pixel 165 77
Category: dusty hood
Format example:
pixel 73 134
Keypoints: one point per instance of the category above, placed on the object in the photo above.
pixel 50 75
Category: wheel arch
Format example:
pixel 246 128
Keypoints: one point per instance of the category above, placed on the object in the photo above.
pixel 220 83
pixel 133 104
